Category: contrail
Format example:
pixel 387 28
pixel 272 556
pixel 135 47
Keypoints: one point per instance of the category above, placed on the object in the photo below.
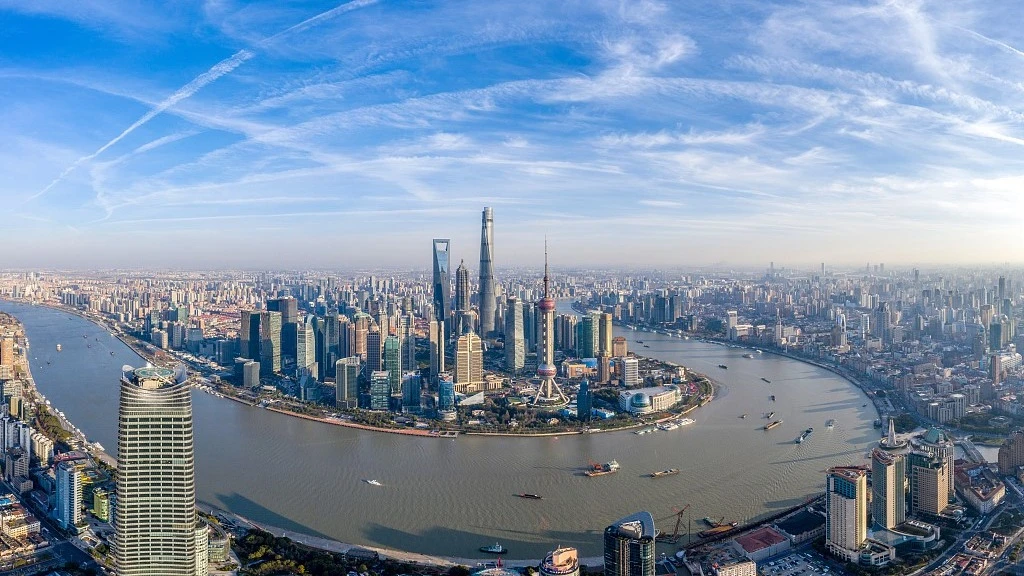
pixel 219 69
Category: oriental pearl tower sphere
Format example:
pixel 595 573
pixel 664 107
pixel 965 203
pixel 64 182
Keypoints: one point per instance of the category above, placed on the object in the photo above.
pixel 548 392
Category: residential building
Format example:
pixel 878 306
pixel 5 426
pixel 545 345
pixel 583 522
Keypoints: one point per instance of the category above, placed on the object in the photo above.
pixel 629 546
pixel 846 511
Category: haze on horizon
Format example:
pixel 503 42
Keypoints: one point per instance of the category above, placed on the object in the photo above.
pixel 278 135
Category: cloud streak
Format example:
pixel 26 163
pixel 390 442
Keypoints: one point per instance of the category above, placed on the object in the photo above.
pixel 220 69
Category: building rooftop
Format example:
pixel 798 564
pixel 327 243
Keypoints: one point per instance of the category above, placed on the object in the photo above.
pixel 639 525
pixel 760 539
pixel 801 523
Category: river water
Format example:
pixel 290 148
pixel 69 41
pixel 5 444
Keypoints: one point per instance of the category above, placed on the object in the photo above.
pixel 449 497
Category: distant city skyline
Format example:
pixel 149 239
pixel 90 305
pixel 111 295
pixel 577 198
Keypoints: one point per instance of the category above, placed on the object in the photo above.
pixel 342 135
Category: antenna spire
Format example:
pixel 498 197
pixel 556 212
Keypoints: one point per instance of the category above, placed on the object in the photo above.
pixel 545 266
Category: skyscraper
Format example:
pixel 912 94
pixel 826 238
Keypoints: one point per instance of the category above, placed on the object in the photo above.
pixel 487 302
pixel 584 401
pixel 437 342
pixel 380 390
pixel 629 546
pixel 393 362
pixel 69 494
pixel 346 377
pixel 888 488
pixel 249 335
pixel 469 362
pixel 407 339
pixel 155 518
pixel 515 338
pixel 929 483
pixel 305 343
pixel 374 348
pixel 445 393
pixel 289 309
pixel 442 281
pixel 846 511
pixel 605 335
pixel 412 390
pixel 461 299
pixel 548 392
pixel 270 343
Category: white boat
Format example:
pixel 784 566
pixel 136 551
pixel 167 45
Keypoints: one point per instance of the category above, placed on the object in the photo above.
pixel 58 347
pixel 373 482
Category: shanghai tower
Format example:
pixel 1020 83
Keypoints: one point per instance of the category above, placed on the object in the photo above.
pixel 487 302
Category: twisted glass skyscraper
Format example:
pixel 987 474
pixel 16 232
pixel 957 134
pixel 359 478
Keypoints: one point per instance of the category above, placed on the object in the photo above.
pixel 155 529
pixel 487 302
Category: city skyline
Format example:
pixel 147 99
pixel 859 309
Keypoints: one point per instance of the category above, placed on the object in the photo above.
pixel 695 134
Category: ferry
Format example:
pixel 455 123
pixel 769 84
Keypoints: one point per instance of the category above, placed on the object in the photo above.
pixel 804 436
pixel 373 482
pixel 765 380
pixel 58 347
pixel 610 467
pixel 669 472
pixel 531 496
pixel 830 424
pixel 723 366
pixel 748 355
pixel 496 549
pixel 772 424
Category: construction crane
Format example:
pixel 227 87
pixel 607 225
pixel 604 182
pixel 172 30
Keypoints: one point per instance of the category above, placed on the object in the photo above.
pixel 674 536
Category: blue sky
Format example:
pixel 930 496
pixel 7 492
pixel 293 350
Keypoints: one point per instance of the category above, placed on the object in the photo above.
pixel 294 134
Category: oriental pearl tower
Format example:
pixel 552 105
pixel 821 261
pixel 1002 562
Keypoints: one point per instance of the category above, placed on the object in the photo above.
pixel 548 393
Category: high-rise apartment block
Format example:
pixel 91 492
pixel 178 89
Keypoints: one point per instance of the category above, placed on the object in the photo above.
pixel 846 509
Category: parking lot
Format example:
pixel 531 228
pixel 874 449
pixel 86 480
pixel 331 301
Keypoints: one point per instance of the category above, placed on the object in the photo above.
pixel 804 563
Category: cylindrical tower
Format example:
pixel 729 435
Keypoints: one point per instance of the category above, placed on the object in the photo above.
pixel 548 391
pixel 155 517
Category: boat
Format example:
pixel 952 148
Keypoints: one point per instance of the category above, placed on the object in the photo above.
pixel 773 397
pixel 772 424
pixel 58 348
pixel 373 482
pixel 877 423
pixel 760 352
pixel 723 366
pixel 707 520
pixel 666 426
pixel 111 352
pixel 609 467
pixel 639 341
pixel 766 380
pixel 531 496
pixel 744 415
pixel 645 431
pixel 748 355
pixel 804 436
pixel 863 405
pixel 646 346
pixel 88 345
pixel 830 424
pixel 496 549
pixel 770 414
pixel 718 530
pixel 669 472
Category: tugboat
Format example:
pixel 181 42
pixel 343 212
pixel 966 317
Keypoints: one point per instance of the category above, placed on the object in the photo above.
pixel 610 467
pixel 531 496
pixel 496 549
pixel 804 436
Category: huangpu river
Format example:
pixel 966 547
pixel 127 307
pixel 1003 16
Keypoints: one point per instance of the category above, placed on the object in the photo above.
pixel 449 497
